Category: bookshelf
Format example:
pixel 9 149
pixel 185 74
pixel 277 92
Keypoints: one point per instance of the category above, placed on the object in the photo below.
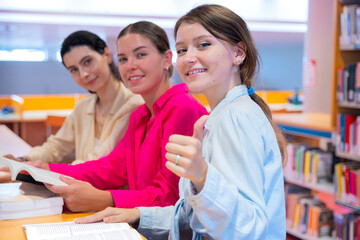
pixel 347 53
pixel 316 130
pixel 330 127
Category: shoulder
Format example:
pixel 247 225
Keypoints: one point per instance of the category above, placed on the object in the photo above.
pixel 242 115
pixel 87 100
pixel 86 103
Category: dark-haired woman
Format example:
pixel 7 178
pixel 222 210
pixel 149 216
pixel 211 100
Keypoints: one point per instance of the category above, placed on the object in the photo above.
pixel 98 121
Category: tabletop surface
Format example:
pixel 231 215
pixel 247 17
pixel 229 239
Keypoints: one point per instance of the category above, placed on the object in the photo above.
pixel 12 229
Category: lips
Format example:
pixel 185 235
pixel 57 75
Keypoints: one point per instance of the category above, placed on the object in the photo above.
pixel 90 82
pixel 133 78
pixel 192 72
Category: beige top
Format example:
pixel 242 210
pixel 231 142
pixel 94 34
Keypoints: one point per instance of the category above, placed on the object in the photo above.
pixel 78 130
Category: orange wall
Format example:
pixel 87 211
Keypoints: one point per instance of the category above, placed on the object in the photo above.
pixel 44 102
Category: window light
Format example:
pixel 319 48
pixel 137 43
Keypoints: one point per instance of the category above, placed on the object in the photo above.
pixel 27 55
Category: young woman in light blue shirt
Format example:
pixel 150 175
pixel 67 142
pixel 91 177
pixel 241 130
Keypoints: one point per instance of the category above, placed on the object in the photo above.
pixel 231 183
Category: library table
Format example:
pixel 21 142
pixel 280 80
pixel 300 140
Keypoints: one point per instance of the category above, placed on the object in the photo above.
pixel 12 229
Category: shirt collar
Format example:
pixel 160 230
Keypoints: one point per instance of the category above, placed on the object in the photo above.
pixel 176 89
pixel 230 97
pixel 90 109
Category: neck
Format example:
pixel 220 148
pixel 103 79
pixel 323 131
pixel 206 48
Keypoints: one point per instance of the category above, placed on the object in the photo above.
pixel 218 92
pixel 151 97
pixel 109 92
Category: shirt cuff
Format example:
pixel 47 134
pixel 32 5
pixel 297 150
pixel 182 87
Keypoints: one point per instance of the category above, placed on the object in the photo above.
pixel 145 222
pixel 210 189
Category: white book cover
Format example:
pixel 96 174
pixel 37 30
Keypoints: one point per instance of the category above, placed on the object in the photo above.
pixel 73 231
pixel 31 200
pixel 37 212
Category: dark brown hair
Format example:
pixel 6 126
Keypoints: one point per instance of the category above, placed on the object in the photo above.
pixel 91 40
pixel 226 25
pixel 154 33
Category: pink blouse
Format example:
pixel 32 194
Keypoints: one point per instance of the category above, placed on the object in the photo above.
pixel 139 159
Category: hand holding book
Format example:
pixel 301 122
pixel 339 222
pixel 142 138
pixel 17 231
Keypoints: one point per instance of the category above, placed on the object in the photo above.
pixel 81 196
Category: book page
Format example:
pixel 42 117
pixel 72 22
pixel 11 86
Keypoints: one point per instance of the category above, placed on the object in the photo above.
pixel 71 230
pixel 10 143
pixel 40 175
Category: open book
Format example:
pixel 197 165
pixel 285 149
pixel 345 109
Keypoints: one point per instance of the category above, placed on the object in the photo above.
pixel 40 175
pixel 73 231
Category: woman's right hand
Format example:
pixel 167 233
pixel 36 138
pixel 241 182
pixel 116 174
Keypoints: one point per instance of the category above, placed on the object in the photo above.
pixel 112 215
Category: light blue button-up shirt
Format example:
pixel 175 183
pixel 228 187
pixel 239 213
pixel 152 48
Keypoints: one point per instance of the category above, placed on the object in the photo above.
pixel 243 195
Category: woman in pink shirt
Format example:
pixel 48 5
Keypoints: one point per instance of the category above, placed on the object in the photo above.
pixel 137 164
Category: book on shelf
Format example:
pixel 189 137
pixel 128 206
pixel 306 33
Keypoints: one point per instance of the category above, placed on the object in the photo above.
pixel 293 195
pixel 348 134
pixel 23 200
pixel 347 177
pixel 357 74
pixel 72 231
pixel 39 175
pixel 308 165
pixel 305 217
pixel 349 30
pixel 347 226
pixel 324 223
pixel 348 84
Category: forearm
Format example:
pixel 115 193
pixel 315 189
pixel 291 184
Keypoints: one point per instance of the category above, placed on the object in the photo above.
pixel 53 150
pixel 99 173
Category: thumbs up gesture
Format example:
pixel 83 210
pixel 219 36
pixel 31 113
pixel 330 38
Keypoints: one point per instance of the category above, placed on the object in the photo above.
pixel 184 155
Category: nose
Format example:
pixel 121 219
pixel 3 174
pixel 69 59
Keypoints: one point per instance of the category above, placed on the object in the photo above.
pixel 131 64
pixel 83 73
pixel 190 56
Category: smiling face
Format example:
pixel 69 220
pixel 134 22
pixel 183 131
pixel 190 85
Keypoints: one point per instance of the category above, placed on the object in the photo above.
pixel 142 67
pixel 88 68
pixel 206 63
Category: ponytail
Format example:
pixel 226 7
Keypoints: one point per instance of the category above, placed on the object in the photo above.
pixel 281 140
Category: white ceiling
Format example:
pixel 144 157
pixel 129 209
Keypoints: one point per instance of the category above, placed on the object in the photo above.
pixel 43 24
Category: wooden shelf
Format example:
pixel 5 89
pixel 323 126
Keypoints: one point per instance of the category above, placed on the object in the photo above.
pixel 348 156
pixel 357 209
pixel 349 105
pixel 325 187
pixel 349 48
pixel 304 236
pixel 306 124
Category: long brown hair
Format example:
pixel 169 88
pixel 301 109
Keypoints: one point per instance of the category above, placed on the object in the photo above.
pixel 226 25
pixel 154 33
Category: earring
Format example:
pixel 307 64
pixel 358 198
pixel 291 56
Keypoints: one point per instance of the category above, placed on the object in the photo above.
pixel 167 68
